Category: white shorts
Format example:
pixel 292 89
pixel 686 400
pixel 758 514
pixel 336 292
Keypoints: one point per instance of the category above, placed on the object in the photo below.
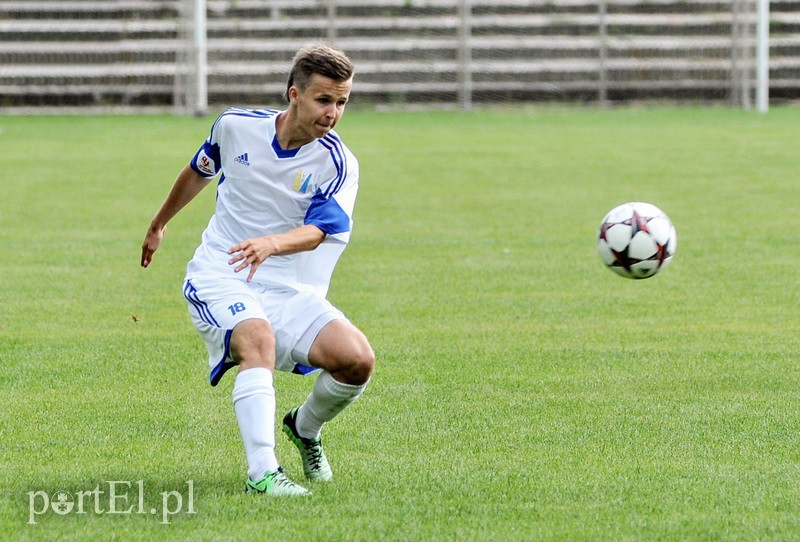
pixel 217 305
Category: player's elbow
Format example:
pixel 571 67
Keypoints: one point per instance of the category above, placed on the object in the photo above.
pixel 316 236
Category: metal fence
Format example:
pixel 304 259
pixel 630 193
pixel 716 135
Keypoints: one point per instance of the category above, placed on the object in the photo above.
pixel 183 55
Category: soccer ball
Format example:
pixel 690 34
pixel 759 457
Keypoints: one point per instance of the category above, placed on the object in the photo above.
pixel 636 240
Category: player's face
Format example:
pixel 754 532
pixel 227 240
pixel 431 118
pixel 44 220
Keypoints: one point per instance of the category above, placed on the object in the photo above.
pixel 320 105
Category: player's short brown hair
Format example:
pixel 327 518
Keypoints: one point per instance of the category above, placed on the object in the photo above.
pixel 318 59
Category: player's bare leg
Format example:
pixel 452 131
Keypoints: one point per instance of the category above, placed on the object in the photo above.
pixel 347 360
pixel 253 347
pixel 344 351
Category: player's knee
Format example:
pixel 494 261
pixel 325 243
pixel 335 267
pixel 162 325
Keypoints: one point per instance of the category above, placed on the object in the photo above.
pixel 362 364
pixel 345 352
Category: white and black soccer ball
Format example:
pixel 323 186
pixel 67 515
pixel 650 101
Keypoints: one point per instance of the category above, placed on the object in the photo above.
pixel 636 240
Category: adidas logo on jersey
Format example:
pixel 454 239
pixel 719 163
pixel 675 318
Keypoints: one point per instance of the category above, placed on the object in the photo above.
pixel 242 159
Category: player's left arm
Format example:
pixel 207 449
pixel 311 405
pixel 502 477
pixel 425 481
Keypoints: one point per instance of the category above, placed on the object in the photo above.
pixel 253 252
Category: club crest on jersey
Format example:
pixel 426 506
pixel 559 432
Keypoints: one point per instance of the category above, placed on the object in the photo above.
pixel 205 164
pixel 301 182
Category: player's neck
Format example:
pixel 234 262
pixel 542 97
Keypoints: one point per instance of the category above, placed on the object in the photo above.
pixel 290 136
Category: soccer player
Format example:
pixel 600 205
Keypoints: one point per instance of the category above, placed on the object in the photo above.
pixel 257 284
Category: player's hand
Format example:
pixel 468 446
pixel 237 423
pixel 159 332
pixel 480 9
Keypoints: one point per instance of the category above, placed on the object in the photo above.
pixel 252 253
pixel 151 242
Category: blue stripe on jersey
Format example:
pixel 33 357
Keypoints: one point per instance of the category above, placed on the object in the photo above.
pixel 256 113
pixel 334 147
pixel 251 113
pixel 190 293
pixel 222 367
pixel 265 113
pixel 240 112
pixel 326 214
pixel 334 136
pixel 339 147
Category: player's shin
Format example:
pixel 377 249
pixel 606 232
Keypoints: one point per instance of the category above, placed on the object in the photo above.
pixel 254 403
pixel 328 398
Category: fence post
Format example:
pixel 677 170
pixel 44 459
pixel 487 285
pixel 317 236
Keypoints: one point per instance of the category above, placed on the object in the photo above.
pixel 737 49
pixel 331 21
pixel 465 55
pixel 762 62
pixel 179 90
pixel 602 89
pixel 200 59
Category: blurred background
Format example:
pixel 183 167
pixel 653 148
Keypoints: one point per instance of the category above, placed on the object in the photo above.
pixel 185 56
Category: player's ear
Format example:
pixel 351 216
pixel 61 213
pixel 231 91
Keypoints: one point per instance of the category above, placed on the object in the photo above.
pixel 292 94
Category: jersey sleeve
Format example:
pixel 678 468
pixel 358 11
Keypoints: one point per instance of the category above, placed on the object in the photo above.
pixel 331 208
pixel 206 161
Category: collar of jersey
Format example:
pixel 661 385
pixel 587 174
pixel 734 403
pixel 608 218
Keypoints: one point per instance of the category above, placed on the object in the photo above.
pixel 280 151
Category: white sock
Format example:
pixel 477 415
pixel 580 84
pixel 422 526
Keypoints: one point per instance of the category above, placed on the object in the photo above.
pixel 254 403
pixel 328 398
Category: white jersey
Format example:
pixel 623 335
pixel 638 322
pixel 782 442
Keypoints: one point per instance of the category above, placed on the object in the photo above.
pixel 264 189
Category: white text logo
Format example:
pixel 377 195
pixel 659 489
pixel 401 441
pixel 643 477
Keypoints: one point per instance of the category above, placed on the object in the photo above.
pixel 118 497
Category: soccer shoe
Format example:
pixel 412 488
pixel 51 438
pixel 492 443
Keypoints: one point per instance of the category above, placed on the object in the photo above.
pixel 315 464
pixel 276 484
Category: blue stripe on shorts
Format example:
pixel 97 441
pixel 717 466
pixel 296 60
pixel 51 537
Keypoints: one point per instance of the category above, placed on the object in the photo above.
pixel 190 293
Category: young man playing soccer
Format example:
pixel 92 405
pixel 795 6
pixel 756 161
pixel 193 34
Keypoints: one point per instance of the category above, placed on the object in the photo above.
pixel 257 283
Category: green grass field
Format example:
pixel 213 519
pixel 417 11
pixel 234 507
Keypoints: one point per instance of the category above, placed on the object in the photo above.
pixel 522 392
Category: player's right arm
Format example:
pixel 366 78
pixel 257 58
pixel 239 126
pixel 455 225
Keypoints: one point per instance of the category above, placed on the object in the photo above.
pixel 188 184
